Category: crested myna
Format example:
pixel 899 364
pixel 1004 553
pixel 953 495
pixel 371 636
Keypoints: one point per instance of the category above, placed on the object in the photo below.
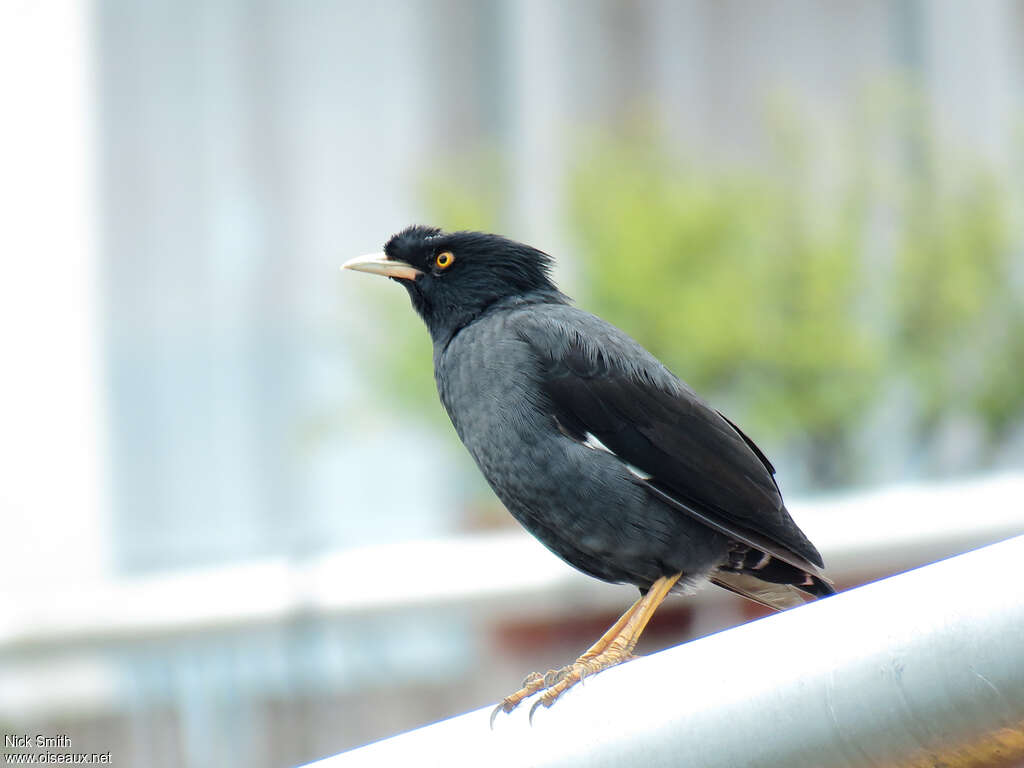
pixel 593 445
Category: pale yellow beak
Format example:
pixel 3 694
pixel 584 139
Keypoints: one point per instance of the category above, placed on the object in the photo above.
pixel 379 264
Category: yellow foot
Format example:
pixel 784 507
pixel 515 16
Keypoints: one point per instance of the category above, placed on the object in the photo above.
pixel 555 682
pixel 576 672
pixel 614 647
pixel 534 682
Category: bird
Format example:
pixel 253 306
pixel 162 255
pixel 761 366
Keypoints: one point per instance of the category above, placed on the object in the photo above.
pixel 604 455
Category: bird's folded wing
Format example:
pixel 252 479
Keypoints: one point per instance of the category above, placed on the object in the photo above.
pixel 600 383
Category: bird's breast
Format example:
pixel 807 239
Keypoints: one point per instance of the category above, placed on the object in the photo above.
pixel 578 500
pixel 487 383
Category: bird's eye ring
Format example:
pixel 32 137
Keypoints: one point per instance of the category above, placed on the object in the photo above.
pixel 444 259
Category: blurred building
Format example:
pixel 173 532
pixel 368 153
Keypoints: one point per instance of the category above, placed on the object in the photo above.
pixel 245 150
pixel 201 169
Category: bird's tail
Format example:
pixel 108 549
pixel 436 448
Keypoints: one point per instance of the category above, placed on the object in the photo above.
pixel 778 597
pixel 777 584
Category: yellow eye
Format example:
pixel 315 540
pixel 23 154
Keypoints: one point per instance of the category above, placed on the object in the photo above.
pixel 444 259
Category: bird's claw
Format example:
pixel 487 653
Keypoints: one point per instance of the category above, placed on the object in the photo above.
pixel 494 713
pixel 506 705
pixel 536 704
pixel 567 678
pixel 534 682
pixel 553 683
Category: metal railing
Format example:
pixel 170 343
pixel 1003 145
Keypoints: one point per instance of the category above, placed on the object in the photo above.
pixel 921 669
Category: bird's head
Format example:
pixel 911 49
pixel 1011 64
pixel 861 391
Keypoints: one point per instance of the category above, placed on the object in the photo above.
pixel 452 277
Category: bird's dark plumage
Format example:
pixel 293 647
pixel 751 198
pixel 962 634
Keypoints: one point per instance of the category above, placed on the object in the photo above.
pixel 601 452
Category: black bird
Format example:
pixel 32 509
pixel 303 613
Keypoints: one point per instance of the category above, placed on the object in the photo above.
pixel 593 445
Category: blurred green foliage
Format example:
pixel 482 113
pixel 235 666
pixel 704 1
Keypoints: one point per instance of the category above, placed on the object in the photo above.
pixel 958 312
pixel 796 296
pixel 723 277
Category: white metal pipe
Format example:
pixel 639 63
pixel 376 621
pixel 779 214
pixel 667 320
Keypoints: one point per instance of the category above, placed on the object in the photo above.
pixel 921 669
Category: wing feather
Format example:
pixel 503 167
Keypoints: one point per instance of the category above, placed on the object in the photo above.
pixel 598 380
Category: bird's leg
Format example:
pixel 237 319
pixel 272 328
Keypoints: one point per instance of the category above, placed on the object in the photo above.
pixel 617 649
pixel 615 646
pixel 536 681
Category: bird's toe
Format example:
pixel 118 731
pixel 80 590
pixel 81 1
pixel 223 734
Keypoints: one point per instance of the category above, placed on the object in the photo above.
pixel 554 676
pixel 534 678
